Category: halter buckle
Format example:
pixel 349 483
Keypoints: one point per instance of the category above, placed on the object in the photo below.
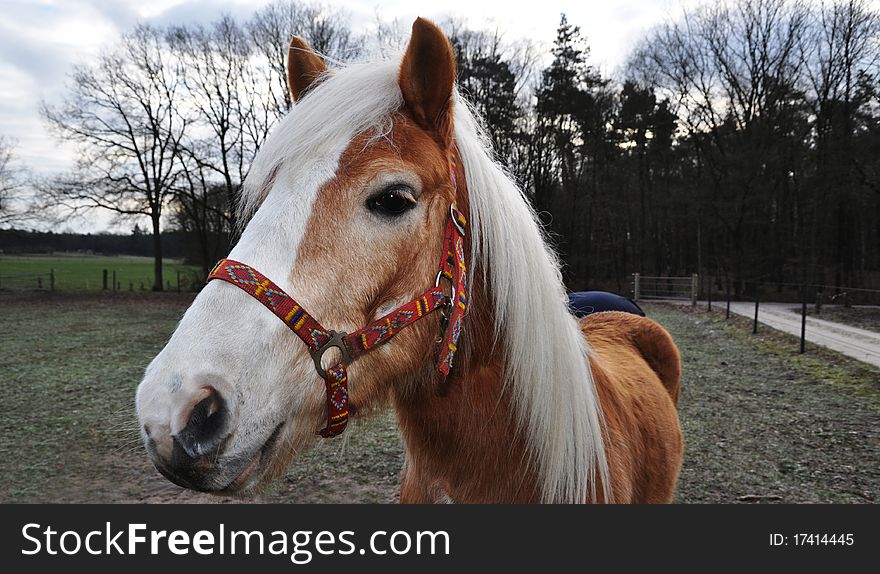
pixel 450 301
pixel 337 339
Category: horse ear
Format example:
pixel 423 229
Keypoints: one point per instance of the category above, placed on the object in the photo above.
pixel 304 66
pixel 426 78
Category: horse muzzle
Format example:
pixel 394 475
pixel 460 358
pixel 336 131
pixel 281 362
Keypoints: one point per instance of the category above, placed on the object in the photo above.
pixel 214 472
pixel 188 437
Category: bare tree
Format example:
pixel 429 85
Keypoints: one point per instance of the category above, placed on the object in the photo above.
pixel 723 61
pixel 217 150
pixel 842 41
pixel 123 113
pixel 840 56
pixel 216 60
pixel 325 29
pixel 12 185
pixel 388 37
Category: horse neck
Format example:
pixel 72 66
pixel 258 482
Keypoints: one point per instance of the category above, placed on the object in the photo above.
pixel 461 435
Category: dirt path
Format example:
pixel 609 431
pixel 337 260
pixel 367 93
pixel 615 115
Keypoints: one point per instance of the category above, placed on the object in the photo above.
pixel 853 342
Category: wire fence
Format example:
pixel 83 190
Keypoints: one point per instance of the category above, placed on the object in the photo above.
pixel 99 280
pixel 719 288
pixel 808 298
pixel 180 281
pixel 28 281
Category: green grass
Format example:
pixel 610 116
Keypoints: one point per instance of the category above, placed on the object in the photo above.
pixel 818 362
pixel 78 272
pixel 70 365
pixel 761 420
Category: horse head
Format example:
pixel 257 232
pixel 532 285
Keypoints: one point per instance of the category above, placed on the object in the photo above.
pixel 345 205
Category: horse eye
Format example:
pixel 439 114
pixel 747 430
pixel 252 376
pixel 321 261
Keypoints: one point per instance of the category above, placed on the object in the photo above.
pixel 393 201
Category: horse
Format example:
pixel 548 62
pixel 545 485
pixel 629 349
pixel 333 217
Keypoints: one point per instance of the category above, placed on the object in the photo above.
pixel 379 170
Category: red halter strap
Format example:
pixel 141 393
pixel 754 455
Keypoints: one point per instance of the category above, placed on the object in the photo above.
pixel 351 345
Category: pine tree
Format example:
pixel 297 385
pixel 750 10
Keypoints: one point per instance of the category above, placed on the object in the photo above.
pixel 574 109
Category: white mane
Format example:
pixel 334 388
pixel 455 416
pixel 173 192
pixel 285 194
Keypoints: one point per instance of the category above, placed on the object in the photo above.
pixel 546 364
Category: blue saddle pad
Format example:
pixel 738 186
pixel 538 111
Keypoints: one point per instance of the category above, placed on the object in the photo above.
pixel 583 303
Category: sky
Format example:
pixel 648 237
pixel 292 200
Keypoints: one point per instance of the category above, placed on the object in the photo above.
pixel 40 40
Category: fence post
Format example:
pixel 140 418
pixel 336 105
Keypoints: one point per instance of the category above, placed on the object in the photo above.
pixel 755 323
pixel 636 290
pixel 695 286
pixel 114 280
pixel 51 280
pixel 105 279
pixel 40 282
pixel 709 296
pixel 803 324
pixel 727 296
pixel 178 280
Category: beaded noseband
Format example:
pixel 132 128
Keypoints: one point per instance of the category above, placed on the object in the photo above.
pixel 351 345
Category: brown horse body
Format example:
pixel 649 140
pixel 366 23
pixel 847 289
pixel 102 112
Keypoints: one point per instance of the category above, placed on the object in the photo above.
pixel 462 440
pixel 636 369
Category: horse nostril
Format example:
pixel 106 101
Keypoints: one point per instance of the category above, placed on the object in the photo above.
pixel 206 426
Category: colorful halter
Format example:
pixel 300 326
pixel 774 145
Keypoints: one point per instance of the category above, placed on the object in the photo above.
pixel 351 345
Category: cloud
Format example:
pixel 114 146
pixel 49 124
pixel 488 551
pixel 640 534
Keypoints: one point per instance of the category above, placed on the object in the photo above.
pixel 120 14
pixel 41 41
pixel 205 11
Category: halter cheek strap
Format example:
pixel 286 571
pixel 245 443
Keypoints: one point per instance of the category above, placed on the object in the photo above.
pixel 454 270
pixel 351 345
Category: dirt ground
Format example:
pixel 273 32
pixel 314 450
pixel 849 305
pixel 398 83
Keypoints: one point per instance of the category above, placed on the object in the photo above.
pixel 761 423
pixel 863 317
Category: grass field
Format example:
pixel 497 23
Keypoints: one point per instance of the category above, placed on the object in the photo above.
pixel 69 366
pixel 78 272
pixel 761 422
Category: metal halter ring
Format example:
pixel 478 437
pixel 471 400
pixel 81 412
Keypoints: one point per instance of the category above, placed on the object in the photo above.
pixel 451 301
pixel 337 339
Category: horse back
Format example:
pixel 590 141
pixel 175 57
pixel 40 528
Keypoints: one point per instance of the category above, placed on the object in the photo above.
pixel 637 371
pixel 625 334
